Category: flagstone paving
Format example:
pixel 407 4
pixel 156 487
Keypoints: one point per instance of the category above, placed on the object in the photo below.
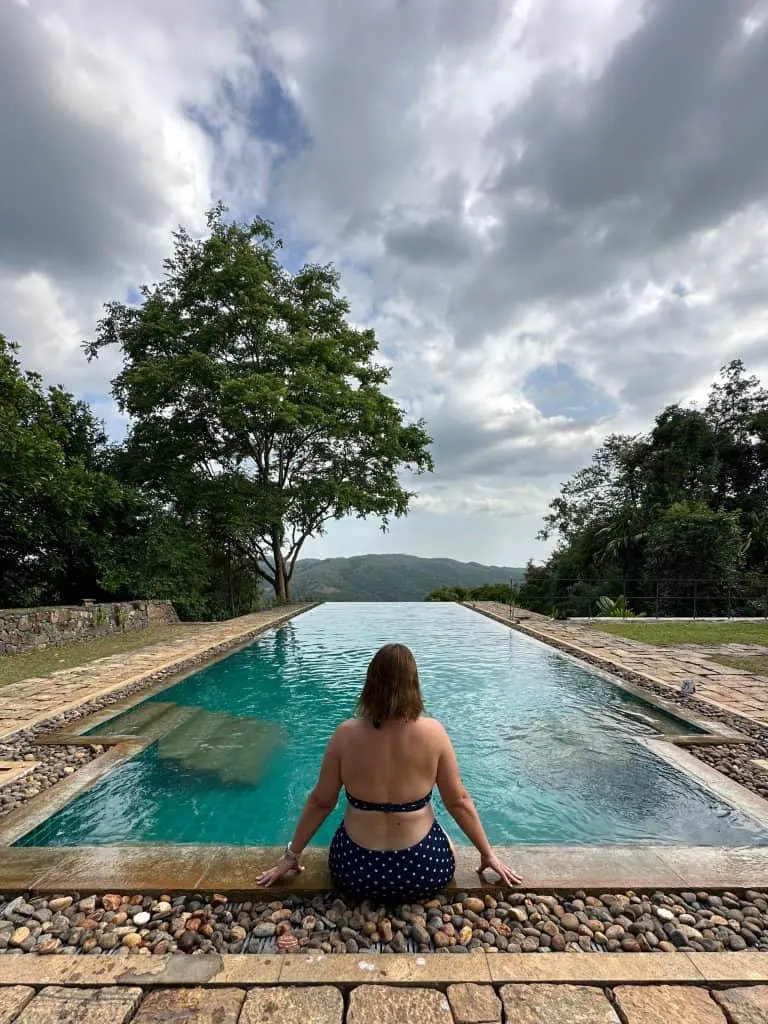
pixel 729 689
pixel 519 1003
pixel 31 701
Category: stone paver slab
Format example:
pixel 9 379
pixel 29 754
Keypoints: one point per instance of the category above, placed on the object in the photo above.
pixel 474 1004
pixel 744 1005
pixel 715 968
pixel 12 1002
pixel 31 969
pixel 398 969
pixel 714 867
pixel 318 1005
pixel 147 972
pixel 602 969
pixel 21 866
pixel 81 1006
pixel 191 1006
pixel 666 1004
pixel 129 869
pixel 553 1004
pixel 379 1004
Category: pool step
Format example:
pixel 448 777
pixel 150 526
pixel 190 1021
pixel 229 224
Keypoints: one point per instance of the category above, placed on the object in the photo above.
pixel 135 721
pixel 234 749
pixel 174 716
pixel 191 736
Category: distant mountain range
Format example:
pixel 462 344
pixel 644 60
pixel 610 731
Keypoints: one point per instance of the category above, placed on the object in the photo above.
pixel 389 577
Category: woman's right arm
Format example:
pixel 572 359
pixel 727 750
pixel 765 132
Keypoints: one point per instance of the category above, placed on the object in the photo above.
pixel 459 805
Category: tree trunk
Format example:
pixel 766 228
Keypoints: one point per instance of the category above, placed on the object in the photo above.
pixel 282 581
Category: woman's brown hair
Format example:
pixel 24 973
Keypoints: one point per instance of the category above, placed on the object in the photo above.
pixel 391 686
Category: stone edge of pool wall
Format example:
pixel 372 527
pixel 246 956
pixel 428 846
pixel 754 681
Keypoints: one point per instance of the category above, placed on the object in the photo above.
pixel 34 812
pixel 711 731
pixel 155 681
pixel 671 747
pixel 232 870
pixel 393 969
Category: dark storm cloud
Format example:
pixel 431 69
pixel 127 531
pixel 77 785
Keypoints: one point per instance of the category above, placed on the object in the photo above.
pixel 70 184
pixel 440 241
pixel 599 175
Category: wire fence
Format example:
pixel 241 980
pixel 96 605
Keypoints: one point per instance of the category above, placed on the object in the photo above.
pixel 659 598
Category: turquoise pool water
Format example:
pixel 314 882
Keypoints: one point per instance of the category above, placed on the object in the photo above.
pixel 549 751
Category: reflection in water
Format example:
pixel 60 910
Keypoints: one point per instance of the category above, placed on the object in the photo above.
pixel 548 751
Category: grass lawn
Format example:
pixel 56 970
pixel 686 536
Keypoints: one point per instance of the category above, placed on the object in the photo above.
pixel 688 632
pixel 757 666
pixel 14 667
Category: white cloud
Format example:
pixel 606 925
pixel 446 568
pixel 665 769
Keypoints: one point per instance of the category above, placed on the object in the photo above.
pixel 521 196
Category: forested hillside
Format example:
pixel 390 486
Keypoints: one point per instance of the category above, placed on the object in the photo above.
pixel 390 577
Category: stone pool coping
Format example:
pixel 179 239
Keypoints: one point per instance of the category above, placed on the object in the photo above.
pixel 232 870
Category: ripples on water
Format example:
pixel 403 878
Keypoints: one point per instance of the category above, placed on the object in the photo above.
pixel 548 751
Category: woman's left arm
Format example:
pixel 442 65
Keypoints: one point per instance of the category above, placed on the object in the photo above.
pixel 320 802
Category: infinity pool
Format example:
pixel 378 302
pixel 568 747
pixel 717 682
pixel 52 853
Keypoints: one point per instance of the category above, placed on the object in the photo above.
pixel 550 752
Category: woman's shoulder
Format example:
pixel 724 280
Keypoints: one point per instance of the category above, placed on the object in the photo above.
pixel 431 725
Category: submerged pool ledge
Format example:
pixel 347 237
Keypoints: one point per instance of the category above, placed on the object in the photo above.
pixel 233 870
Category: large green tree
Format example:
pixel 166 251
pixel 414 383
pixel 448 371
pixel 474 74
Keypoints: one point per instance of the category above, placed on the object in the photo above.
pixel 255 403
pixel 686 501
pixel 59 504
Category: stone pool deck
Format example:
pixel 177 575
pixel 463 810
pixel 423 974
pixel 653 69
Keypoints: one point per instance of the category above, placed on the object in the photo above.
pixel 727 689
pixel 476 989
pixel 30 701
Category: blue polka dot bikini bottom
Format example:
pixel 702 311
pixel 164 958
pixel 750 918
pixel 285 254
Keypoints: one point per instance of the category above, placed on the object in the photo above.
pixel 392 876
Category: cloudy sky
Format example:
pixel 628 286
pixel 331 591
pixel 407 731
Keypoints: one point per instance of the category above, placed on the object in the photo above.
pixel 554 213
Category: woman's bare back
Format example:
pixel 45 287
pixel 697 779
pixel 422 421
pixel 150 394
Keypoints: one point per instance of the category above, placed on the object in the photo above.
pixel 395 764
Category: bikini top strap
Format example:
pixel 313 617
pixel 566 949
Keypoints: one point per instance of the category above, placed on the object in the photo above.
pixel 369 805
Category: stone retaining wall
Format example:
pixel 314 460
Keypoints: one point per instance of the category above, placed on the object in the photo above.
pixel 27 629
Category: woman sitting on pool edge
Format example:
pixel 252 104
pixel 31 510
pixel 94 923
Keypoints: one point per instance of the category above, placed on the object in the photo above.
pixel 389 846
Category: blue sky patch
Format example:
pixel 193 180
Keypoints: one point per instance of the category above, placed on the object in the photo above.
pixel 557 390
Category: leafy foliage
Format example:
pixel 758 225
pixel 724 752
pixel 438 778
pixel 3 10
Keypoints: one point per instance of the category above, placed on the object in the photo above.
pixel 503 593
pixel 686 502
pixel 614 608
pixel 59 504
pixel 255 405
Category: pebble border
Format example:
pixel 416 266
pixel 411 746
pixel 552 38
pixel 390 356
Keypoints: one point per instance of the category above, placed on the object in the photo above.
pixel 509 921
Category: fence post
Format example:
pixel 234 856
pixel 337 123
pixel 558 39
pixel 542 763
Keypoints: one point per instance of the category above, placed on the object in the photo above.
pixel 766 601
pixel 695 595
pixel 730 616
pixel 658 585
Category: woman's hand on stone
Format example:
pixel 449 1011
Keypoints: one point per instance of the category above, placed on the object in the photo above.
pixel 490 861
pixel 285 866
